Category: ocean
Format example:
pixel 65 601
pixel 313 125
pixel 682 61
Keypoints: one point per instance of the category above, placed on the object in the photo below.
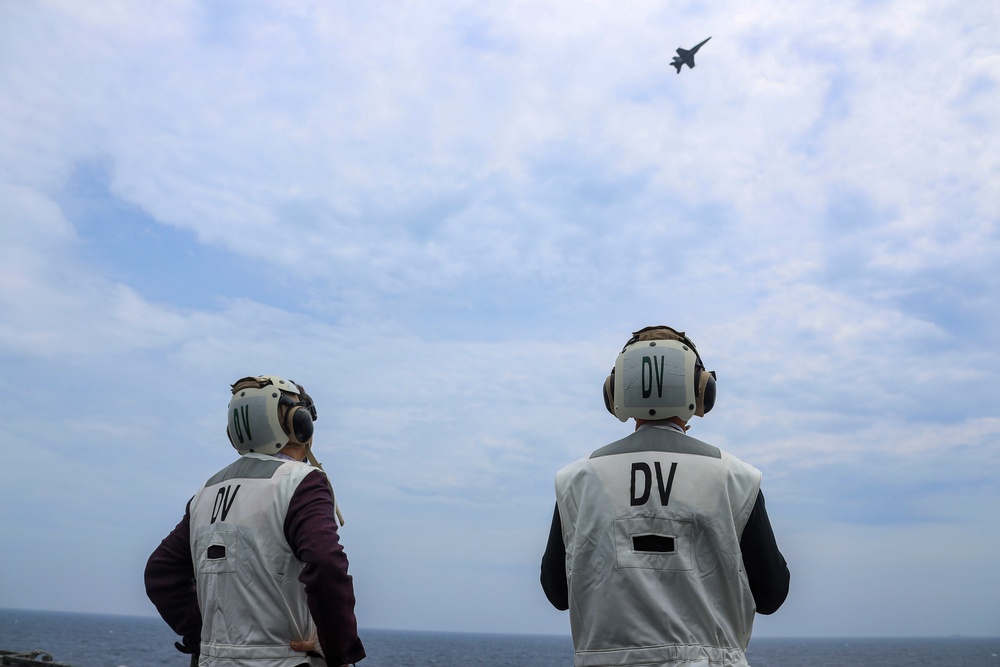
pixel 94 640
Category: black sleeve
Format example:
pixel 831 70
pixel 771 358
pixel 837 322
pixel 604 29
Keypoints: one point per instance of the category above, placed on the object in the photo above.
pixel 554 566
pixel 765 566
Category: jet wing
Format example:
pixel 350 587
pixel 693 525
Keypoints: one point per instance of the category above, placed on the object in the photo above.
pixel 683 53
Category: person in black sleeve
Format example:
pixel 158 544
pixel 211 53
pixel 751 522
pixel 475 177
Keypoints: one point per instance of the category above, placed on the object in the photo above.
pixel 254 574
pixel 660 545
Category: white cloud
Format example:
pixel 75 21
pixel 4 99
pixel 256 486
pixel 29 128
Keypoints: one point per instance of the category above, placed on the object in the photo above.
pixel 459 213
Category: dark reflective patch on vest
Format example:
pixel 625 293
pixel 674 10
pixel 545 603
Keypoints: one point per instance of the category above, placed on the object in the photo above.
pixel 216 552
pixel 660 544
pixel 653 439
pixel 247 467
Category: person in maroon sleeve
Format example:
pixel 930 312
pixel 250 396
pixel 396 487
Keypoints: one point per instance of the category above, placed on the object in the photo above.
pixel 254 574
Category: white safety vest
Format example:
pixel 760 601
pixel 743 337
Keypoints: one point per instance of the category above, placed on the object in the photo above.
pixel 252 602
pixel 652 527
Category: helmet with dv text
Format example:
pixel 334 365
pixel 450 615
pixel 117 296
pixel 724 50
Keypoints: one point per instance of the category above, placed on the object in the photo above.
pixel 659 374
pixel 267 413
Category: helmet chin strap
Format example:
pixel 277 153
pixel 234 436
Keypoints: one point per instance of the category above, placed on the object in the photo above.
pixel 316 464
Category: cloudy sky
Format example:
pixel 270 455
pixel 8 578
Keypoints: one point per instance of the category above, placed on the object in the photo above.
pixel 444 220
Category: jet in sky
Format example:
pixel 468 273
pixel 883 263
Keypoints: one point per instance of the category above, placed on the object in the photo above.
pixel 686 56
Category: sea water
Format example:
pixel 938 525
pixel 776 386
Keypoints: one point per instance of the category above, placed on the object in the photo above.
pixel 94 640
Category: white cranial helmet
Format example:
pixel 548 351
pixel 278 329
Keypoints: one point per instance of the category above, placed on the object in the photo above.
pixel 267 412
pixel 659 375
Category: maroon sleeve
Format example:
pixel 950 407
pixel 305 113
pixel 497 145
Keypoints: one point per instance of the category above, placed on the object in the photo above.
pixel 311 531
pixel 170 584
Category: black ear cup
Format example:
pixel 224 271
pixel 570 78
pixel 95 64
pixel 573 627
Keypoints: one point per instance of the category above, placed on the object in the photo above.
pixel 299 424
pixel 299 418
pixel 708 395
pixel 705 389
pixel 609 392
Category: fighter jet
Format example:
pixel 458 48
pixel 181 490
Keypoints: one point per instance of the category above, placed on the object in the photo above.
pixel 686 56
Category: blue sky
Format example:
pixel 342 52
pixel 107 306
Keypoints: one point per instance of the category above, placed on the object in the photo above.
pixel 444 220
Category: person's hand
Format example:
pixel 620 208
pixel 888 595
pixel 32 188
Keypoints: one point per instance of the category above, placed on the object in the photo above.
pixel 188 646
pixel 311 645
